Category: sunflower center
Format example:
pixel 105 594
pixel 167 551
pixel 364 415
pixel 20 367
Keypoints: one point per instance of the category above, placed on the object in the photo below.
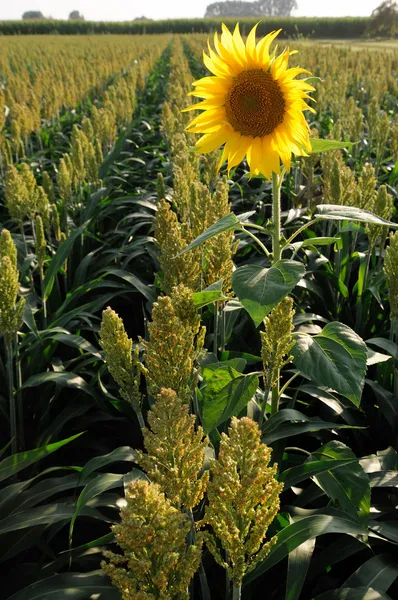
pixel 255 105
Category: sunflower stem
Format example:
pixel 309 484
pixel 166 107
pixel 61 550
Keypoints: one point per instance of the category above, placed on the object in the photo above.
pixel 276 216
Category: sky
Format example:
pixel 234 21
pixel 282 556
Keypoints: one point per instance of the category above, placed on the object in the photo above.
pixel 126 10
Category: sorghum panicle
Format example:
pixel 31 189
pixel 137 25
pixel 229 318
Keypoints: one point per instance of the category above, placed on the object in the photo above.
pixel 243 500
pixel 175 451
pixel 157 562
pixel 277 341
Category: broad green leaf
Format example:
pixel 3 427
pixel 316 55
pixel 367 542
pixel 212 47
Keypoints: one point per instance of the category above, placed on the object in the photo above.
pixel 379 573
pixel 65 586
pixel 214 293
pixel 225 394
pixel 61 378
pixel 335 552
pixel 13 464
pixel 42 515
pixel 292 536
pixel 147 291
pixel 384 479
pixel 315 241
pixel 335 212
pixel 40 492
pixel 101 483
pixel 76 341
pixel 122 454
pixel 288 422
pixel 375 358
pixel 238 364
pixel 335 358
pixel 319 145
pixel 260 289
pixel 387 401
pixel 388 529
pixel 348 485
pixel 59 258
pixel 386 345
pixel 296 475
pixel 227 223
pixel 298 563
pixel 346 593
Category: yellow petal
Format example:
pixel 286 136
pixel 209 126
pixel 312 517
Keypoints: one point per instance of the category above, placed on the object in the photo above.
pixel 212 141
pixel 279 65
pixel 251 47
pixel 239 45
pixel 263 47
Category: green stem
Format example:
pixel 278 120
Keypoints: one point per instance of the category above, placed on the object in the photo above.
pixel 236 592
pixel 300 229
pixel 275 397
pixel 259 242
pixel 18 372
pixel 276 217
pixel 44 301
pixel 216 321
pixel 11 396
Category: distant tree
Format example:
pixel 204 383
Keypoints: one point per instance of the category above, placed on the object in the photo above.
pixel 142 19
pixel 384 20
pixel 33 14
pixel 75 16
pixel 261 8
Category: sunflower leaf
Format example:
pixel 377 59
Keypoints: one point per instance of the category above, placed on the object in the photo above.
pixel 318 145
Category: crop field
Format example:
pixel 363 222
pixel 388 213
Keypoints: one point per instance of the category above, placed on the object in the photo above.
pixel 198 366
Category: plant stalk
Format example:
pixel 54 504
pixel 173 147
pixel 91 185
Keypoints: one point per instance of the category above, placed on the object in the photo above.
pixel 275 397
pixel 276 216
pixel 18 380
pixel 11 396
pixel 236 592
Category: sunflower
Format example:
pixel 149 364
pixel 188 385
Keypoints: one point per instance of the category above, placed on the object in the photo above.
pixel 253 105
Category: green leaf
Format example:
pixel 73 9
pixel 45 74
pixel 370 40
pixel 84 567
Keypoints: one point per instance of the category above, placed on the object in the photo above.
pixel 260 289
pixel 48 514
pixel 379 573
pixel 59 258
pixel 289 422
pixel 225 394
pixel 227 223
pixel 388 529
pixel 386 345
pixel 346 593
pixel 315 241
pixel 79 586
pixel 122 454
pixel 348 485
pixel 101 483
pixel 214 293
pixel 13 464
pixel 292 536
pixel 147 291
pixel 62 378
pixel 335 212
pixel 299 561
pixel 319 145
pixel 335 358
pixel 76 341
pixel 296 475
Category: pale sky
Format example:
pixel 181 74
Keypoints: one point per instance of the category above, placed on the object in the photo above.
pixel 126 10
